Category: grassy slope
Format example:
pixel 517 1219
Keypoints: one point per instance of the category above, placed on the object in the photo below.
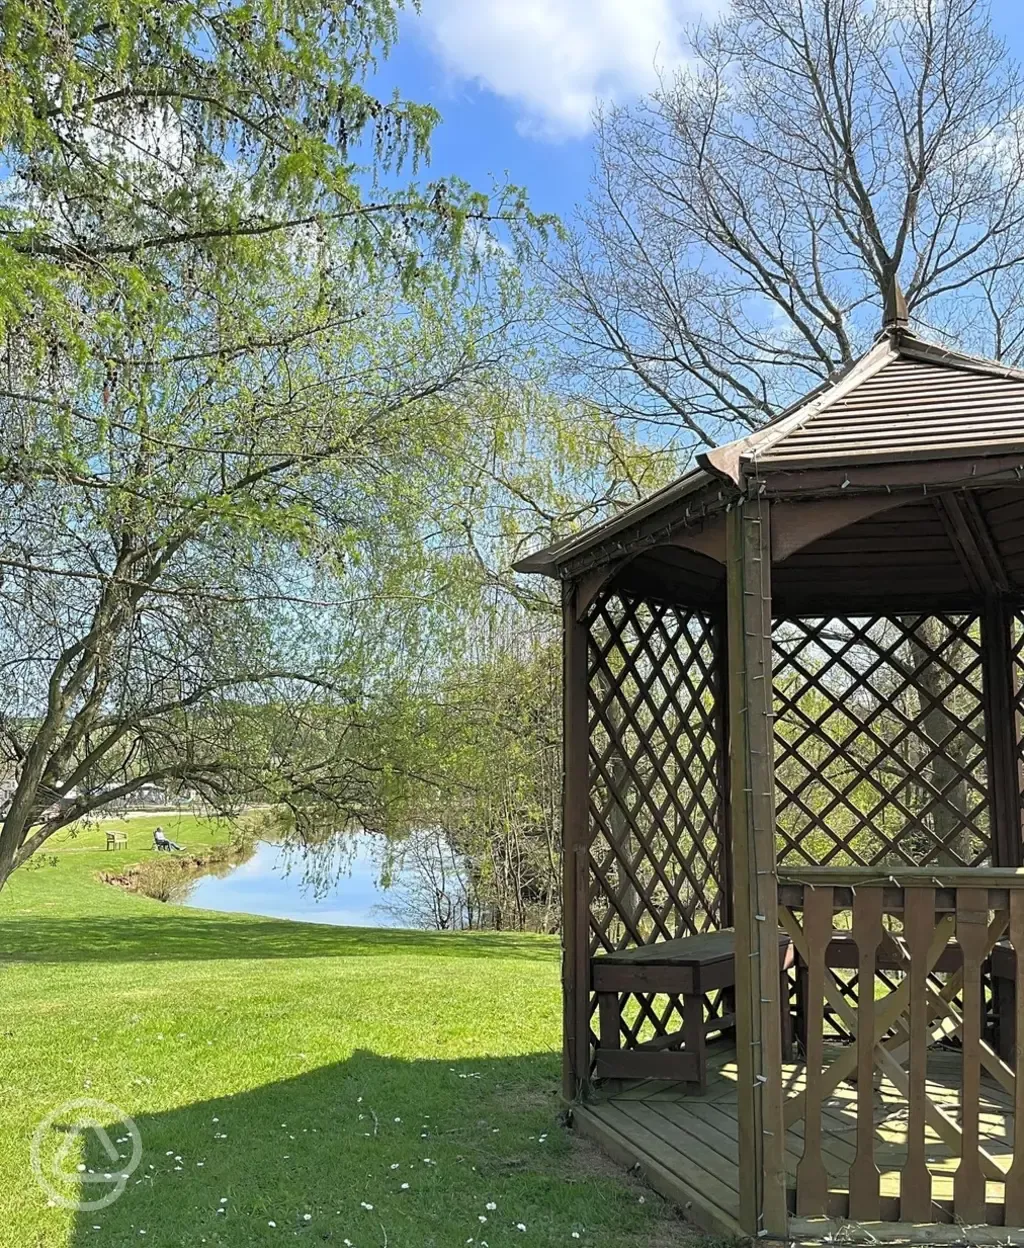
pixel 294 1069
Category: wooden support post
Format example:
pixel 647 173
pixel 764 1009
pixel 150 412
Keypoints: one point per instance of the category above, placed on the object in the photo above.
pixel 1015 1178
pixel 811 1176
pixel 1000 734
pixel 916 1179
pixel 972 936
pixel 724 829
pixel 575 852
pixel 1003 778
pixel 865 1200
pixel 755 889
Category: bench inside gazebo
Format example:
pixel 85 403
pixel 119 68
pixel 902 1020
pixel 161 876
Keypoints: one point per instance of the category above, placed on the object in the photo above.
pixel 793 895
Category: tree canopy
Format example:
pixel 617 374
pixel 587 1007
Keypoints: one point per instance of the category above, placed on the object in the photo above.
pixel 244 382
pixel 148 147
pixel 747 218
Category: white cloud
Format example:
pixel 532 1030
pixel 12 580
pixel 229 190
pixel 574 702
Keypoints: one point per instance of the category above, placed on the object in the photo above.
pixel 556 58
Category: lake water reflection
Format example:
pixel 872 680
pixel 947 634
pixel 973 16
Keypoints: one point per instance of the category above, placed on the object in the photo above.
pixel 264 885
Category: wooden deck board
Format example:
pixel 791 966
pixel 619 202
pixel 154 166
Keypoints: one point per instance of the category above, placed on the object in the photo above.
pixel 687 1145
pixel 682 1190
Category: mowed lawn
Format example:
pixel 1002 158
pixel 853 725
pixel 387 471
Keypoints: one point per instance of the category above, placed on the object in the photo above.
pixel 290 1082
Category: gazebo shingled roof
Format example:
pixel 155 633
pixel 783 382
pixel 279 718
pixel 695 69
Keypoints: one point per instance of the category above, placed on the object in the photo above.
pixel 800 666
pixel 905 423
pixel 905 399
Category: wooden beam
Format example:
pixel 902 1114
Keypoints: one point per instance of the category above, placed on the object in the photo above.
pixel 984 541
pixel 925 472
pixel 1000 734
pixel 965 547
pixel 974 545
pixel 902 877
pixel 796 525
pixel 575 851
pixel 755 895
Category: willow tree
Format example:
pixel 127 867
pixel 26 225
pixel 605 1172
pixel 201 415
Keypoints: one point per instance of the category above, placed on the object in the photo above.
pixel 146 146
pixel 242 367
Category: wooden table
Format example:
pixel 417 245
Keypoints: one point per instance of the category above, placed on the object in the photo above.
pixel 687 967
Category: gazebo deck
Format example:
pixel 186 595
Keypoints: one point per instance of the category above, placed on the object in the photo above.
pixel 686 1144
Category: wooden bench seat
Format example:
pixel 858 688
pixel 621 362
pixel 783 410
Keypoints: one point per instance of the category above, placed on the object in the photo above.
pixel 689 967
pixel 842 955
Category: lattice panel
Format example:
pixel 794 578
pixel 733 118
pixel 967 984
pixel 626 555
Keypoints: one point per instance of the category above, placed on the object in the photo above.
pixel 657 860
pixel 880 744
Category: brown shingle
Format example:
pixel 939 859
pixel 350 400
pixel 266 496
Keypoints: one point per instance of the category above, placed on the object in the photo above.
pixel 909 405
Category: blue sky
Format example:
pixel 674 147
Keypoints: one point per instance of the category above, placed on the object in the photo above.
pixel 515 80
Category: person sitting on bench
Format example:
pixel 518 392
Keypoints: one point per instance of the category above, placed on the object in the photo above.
pixel 161 842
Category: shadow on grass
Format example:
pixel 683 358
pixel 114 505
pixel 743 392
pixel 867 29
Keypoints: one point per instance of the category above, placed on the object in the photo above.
pixel 370 1151
pixel 176 934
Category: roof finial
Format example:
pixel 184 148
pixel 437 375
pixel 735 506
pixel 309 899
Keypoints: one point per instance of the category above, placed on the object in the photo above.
pixel 894 311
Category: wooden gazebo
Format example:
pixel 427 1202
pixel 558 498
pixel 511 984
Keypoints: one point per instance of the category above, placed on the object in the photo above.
pixel 794 685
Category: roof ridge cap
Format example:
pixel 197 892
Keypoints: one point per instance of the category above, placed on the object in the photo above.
pixel 724 461
pixel 950 357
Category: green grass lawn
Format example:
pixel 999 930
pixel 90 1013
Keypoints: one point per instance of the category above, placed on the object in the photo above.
pixel 290 1081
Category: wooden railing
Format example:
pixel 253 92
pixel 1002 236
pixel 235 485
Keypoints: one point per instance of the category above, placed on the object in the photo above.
pixel 913 1120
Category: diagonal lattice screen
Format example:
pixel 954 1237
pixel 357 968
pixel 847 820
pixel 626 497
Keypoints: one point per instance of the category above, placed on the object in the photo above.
pixel 656 857
pixel 879 741
pixel 657 860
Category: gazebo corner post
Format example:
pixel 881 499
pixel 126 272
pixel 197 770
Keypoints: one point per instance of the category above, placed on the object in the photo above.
pixel 1003 777
pixel 575 848
pixel 763 1210
pixel 724 829
pixel 1000 733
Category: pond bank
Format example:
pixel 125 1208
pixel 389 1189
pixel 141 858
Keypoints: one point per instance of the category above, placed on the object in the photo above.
pixel 271 880
pixel 168 877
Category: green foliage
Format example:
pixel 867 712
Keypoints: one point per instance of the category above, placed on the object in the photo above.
pixel 482 749
pixel 274 424
pixel 150 148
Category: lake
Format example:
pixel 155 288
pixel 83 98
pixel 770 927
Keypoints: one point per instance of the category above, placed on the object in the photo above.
pixel 264 885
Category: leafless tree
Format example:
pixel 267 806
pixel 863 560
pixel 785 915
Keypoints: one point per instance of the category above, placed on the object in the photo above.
pixel 434 884
pixel 747 217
